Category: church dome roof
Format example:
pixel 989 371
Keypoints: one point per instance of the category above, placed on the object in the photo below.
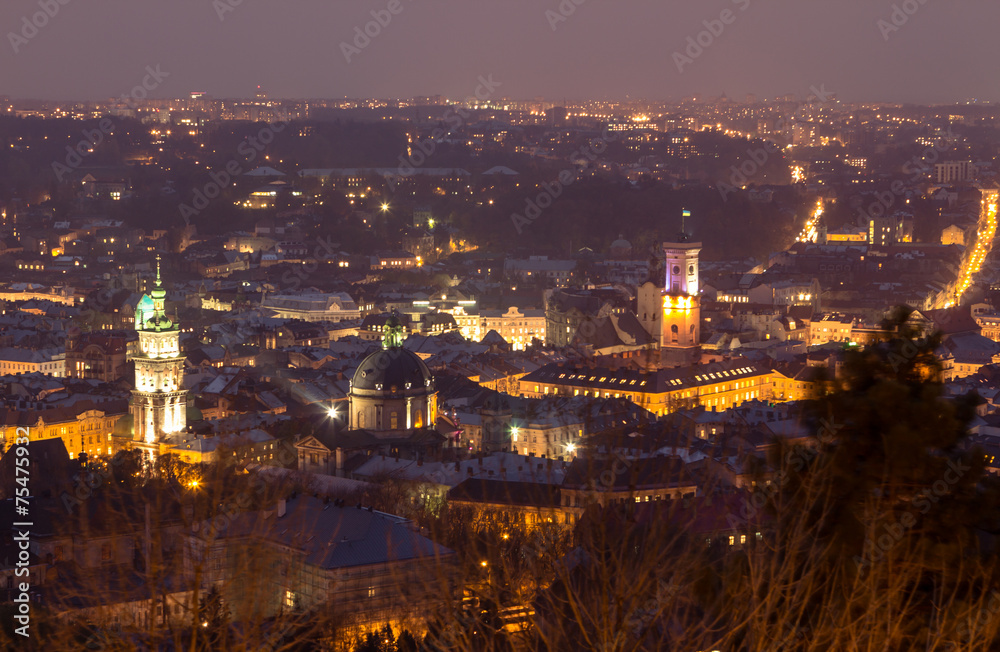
pixel 392 369
pixel 159 323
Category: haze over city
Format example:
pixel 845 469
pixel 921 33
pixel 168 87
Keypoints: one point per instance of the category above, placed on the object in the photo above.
pixel 602 50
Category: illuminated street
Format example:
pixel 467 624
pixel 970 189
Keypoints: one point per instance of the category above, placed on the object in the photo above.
pixel 973 261
pixel 811 229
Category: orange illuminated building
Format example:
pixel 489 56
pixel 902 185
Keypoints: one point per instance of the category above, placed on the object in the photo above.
pixel 681 334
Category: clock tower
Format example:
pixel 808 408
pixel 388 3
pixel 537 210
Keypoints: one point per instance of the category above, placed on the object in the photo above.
pixel 159 400
pixel 681 325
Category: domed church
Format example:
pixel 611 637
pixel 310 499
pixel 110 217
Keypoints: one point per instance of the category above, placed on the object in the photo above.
pixel 392 410
pixel 392 389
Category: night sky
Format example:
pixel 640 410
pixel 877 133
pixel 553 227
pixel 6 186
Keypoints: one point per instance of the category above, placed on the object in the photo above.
pixel 947 50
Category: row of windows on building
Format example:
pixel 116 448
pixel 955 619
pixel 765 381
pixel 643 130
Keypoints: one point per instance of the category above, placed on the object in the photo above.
pixel 733 538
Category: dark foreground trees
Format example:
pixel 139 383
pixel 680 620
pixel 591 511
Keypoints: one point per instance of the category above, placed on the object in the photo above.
pixel 879 533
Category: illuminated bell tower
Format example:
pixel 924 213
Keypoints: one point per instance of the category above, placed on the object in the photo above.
pixel 681 333
pixel 159 401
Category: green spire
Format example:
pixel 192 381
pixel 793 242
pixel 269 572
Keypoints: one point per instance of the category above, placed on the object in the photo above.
pixel 156 319
pixel 392 338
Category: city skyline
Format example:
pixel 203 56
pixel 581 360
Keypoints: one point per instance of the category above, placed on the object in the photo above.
pixel 406 326
pixel 865 52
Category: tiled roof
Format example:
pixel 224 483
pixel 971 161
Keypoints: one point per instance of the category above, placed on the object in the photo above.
pixel 335 537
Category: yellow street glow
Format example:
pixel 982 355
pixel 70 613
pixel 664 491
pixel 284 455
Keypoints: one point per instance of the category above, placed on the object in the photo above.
pixel 810 231
pixel 984 243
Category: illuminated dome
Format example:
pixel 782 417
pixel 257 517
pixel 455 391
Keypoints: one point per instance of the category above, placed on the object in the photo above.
pixel 392 370
pixel 392 389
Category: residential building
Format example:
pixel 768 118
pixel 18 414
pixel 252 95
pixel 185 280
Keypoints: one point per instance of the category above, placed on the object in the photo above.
pixel 16 361
pixel 308 553
pixel 99 356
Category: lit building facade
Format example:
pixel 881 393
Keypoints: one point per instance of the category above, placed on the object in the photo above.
pixel 681 298
pixel 830 328
pixel 88 430
pixel 889 230
pixel 717 386
pixel 159 400
pixel 516 327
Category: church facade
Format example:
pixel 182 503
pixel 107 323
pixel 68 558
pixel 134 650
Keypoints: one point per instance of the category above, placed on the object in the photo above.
pixel 392 410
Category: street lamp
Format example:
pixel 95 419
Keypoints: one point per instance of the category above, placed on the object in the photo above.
pixel 385 207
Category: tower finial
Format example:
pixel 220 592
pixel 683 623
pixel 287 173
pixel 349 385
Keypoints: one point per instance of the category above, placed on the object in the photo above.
pixel 393 334
pixel 158 282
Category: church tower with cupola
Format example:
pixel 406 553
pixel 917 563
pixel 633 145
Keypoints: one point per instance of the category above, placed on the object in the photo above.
pixel 159 400
pixel 681 334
